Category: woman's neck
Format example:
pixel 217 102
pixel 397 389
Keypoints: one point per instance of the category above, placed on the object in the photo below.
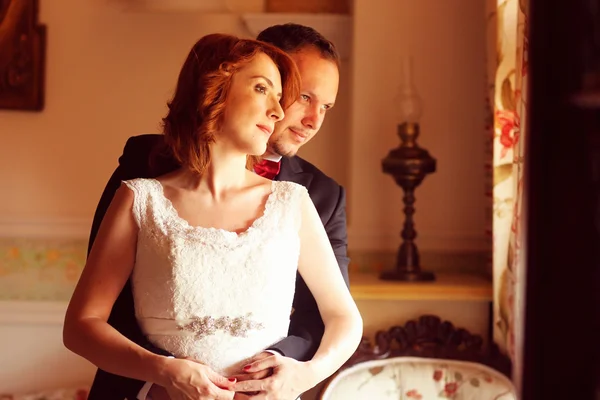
pixel 226 171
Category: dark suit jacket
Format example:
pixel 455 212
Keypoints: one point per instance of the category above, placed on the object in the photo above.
pixel 306 325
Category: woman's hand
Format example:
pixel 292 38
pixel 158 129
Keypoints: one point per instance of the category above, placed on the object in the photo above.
pixel 289 379
pixel 187 379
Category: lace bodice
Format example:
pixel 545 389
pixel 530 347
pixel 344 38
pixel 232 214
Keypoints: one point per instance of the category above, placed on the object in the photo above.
pixel 217 296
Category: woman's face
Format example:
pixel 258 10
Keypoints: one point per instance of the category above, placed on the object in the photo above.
pixel 252 106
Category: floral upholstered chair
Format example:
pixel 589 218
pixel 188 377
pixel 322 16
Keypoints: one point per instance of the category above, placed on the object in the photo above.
pixel 423 360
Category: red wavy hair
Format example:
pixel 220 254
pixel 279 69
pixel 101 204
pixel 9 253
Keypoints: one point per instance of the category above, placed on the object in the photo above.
pixel 196 111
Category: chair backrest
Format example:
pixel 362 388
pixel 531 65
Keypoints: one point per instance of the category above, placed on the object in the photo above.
pixel 419 351
pixel 414 378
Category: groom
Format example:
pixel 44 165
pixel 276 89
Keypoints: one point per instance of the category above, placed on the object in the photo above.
pixel 318 64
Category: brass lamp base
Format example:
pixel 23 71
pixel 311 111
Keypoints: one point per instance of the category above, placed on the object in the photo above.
pixel 408 164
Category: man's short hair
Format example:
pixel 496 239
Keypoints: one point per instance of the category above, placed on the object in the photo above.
pixel 294 37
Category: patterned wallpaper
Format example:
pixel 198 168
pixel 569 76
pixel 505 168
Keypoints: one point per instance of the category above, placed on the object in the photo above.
pixel 48 269
pixel 40 269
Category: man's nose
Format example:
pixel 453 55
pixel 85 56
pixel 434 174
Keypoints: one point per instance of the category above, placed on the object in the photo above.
pixel 313 118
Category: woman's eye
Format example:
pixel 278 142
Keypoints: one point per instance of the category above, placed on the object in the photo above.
pixel 304 97
pixel 261 89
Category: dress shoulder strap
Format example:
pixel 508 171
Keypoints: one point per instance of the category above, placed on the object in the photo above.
pixel 144 191
pixel 289 198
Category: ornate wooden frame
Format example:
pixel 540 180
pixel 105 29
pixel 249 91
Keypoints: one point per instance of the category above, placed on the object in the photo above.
pixel 22 56
pixel 427 337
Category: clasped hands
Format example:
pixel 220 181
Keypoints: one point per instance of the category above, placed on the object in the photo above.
pixel 267 376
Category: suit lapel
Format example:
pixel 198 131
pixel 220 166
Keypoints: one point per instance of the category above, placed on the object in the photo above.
pixel 292 171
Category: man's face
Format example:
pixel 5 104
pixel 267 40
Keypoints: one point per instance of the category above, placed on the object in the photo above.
pixel 320 80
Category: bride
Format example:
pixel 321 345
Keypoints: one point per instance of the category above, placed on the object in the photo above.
pixel 212 248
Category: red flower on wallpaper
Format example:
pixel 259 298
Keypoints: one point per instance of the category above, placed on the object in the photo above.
pixel 509 124
pixel 437 375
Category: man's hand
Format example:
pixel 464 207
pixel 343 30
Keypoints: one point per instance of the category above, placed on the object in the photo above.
pixel 191 380
pixel 289 379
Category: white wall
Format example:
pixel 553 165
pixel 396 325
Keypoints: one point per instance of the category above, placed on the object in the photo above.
pixel 447 42
pixel 110 73
pixel 33 355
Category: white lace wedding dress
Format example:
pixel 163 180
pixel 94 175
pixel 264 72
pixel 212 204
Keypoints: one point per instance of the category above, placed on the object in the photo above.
pixel 213 295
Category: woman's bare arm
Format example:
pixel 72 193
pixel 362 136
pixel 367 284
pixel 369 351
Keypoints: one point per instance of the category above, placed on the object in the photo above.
pixel 108 267
pixel 319 269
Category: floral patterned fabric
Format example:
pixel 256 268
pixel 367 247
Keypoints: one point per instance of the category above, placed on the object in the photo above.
pixel 507 100
pixel 411 378
pixel 58 394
